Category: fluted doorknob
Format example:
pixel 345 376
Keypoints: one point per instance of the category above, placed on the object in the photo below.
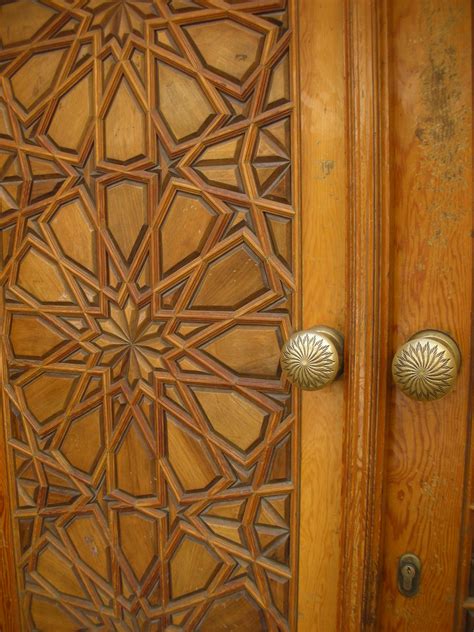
pixel 427 365
pixel 313 358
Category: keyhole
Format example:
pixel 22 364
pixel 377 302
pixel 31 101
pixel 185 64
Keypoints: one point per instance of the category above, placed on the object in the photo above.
pixel 408 573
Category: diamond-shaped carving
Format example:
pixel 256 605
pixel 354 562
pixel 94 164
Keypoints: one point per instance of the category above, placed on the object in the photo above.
pixel 90 543
pixel 41 277
pixel 259 350
pixel 83 442
pixel 32 337
pixel 59 572
pixel 75 234
pixel 69 124
pixel 134 528
pixel 232 416
pixel 48 394
pixel 127 215
pixel 184 107
pixel 199 557
pixel 238 612
pixel 135 463
pixel 33 81
pixel 245 279
pixel 185 229
pixel 15 29
pixel 227 47
pixel 189 457
pixel 125 126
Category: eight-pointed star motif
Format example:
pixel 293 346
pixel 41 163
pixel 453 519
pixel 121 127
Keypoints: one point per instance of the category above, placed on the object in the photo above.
pixel 130 342
pixel 119 18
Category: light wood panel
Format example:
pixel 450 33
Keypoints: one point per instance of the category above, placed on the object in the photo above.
pixel 431 152
pixel 323 177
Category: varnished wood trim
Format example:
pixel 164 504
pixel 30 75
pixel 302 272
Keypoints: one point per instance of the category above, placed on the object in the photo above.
pixel 466 548
pixel 466 551
pixel 368 313
pixel 323 178
pixel 9 602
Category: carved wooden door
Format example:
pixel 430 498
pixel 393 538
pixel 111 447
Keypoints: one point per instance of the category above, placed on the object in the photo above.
pixel 150 243
pixel 183 184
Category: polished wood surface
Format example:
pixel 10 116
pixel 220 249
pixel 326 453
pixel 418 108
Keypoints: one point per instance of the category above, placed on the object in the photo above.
pixel 368 291
pixel 431 189
pixel 323 216
pixel 150 200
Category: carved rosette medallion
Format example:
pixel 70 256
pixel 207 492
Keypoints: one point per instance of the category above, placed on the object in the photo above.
pixel 130 342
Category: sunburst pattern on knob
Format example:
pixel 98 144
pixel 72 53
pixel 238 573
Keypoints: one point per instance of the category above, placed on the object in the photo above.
pixel 426 367
pixel 312 359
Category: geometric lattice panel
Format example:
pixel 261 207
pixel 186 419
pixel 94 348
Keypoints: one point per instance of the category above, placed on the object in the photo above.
pixel 148 256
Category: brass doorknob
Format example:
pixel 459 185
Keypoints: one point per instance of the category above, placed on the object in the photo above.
pixel 427 365
pixel 313 358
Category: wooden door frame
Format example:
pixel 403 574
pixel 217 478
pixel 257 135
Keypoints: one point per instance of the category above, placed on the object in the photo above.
pixel 368 312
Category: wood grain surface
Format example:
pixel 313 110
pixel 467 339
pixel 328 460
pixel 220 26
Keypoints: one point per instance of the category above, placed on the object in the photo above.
pixel 431 150
pixel 368 313
pixel 323 214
